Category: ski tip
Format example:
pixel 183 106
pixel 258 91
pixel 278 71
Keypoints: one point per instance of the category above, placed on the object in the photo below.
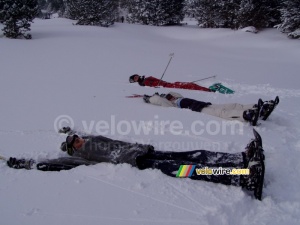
pixel 276 100
pixel 257 137
pixel 3 158
pixel 256 134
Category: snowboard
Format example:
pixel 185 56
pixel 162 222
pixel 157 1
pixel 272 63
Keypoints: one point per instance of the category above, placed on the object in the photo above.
pixel 260 169
pixel 219 87
pixel 269 107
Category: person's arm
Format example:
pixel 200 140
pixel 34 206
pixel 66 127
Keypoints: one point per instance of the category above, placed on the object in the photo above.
pixel 69 131
pixel 158 100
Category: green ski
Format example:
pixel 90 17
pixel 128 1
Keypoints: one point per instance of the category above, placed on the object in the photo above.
pixel 221 88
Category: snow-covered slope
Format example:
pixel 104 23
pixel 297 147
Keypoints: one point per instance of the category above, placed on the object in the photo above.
pixel 79 74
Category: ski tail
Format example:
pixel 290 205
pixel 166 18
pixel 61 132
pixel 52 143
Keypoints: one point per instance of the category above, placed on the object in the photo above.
pixel 269 108
pixel 134 96
pixel 260 157
pixel 3 158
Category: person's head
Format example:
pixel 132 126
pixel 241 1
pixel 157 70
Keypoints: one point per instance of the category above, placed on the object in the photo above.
pixel 170 97
pixel 72 143
pixel 134 78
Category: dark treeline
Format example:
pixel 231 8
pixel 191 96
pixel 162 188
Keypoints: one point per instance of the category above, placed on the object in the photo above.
pixel 16 15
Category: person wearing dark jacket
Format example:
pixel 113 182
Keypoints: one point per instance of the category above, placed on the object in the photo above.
pixel 154 82
pixel 90 150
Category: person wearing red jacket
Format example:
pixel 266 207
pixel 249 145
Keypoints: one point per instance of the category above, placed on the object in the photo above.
pixel 154 82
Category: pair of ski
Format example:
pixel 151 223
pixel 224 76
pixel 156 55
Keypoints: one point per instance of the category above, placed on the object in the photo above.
pixel 264 110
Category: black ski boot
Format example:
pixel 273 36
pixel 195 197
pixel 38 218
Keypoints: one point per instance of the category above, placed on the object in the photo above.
pixel 252 115
pixel 267 108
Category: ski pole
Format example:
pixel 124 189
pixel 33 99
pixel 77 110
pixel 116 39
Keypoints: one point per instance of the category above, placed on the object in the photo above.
pixel 171 55
pixel 203 79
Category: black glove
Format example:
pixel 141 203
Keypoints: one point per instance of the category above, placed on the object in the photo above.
pixel 146 98
pixel 64 130
pixel 20 163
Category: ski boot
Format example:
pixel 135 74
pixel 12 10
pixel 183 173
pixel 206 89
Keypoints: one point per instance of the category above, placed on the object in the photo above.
pixel 251 115
pixel 267 108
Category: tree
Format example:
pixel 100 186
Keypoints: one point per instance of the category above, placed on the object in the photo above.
pixel 228 13
pixel 155 12
pixel 1 11
pixel 290 16
pixel 205 12
pixel 16 15
pixel 254 13
pixel 93 12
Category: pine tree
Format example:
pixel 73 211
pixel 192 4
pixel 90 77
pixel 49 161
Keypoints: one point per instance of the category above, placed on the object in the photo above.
pixel 93 12
pixel 16 15
pixel 155 12
pixel 290 15
pixel 254 13
pixel 228 13
pixel 1 11
pixel 206 12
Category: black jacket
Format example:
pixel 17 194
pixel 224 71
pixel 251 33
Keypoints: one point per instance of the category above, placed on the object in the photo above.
pixel 102 149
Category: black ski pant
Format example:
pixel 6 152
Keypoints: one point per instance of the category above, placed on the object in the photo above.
pixel 192 104
pixel 170 162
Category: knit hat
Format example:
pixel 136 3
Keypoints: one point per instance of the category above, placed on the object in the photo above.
pixel 131 78
pixel 69 144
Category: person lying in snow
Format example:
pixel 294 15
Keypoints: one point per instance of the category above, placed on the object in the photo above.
pixel 249 113
pixel 90 150
pixel 154 82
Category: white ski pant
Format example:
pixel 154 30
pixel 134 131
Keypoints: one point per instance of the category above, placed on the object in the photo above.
pixel 227 111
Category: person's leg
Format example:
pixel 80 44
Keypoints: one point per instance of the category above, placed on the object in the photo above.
pixel 208 158
pixel 233 111
pixel 171 168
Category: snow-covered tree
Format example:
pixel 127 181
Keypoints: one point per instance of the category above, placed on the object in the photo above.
pixel 206 12
pixel 155 12
pixel 254 13
pixel 228 13
pixel 290 16
pixel 16 15
pixel 1 11
pixel 93 12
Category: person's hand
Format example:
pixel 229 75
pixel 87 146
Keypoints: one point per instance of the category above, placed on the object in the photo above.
pixel 146 98
pixel 20 163
pixel 64 130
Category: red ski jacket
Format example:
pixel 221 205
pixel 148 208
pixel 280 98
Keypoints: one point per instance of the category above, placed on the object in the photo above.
pixel 154 82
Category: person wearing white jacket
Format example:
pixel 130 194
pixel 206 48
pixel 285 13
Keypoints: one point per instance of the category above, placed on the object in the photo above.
pixel 232 111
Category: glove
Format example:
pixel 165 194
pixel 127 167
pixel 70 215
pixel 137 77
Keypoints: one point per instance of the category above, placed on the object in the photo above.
pixel 64 130
pixel 146 98
pixel 20 163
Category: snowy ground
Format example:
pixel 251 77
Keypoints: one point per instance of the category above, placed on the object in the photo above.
pixel 80 74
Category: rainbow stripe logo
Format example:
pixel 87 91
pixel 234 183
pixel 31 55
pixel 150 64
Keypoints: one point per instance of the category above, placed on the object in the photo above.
pixel 185 170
